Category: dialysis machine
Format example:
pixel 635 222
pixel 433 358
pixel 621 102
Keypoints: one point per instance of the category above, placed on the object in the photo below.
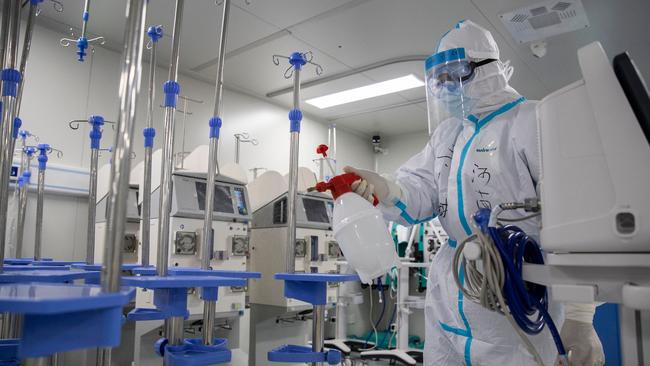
pixel 316 249
pixel 595 149
pixel 276 319
pixel 230 248
pixel 130 244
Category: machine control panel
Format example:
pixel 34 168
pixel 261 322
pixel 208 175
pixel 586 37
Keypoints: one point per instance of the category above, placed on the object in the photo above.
pixel 313 210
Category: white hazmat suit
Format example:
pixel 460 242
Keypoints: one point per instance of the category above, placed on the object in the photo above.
pixel 481 159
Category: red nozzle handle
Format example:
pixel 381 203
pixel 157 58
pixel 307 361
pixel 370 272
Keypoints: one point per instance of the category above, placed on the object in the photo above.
pixel 341 184
pixel 322 150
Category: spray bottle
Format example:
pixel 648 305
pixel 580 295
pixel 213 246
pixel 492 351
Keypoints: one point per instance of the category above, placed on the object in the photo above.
pixel 360 229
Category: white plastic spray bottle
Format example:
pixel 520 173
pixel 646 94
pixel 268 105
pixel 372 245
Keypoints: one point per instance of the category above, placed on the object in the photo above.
pixel 360 230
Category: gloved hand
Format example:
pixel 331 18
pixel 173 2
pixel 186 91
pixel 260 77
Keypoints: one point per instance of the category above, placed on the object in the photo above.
pixel 371 183
pixel 582 344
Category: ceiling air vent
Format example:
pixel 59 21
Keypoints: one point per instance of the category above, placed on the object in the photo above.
pixel 545 19
pixel 561 6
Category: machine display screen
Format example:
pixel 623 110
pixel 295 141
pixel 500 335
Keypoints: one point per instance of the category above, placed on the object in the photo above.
pixel 240 201
pixel 222 198
pixel 316 210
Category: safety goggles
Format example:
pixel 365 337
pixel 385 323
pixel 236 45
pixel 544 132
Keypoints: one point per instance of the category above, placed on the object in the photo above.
pixel 458 71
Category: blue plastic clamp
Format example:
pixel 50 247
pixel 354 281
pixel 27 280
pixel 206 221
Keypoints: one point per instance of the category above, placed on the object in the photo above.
pixel 155 32
pixel 42 158
pixel 30 151
pixel 194 353
pixel 17 123
pixel 96 133
pixel 95 137
pixel 27 175
pixel 23 134
pixel 149 133
pixel 21 181
pixel 85 17
pixel 82 44
pixel 301 354
pixel 295 116
pixel 10 80
pixel 297 60
pixel 215 126
pixel 159 346
pixel 171 90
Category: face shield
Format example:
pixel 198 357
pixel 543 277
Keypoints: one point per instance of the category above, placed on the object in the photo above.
pixel 447 74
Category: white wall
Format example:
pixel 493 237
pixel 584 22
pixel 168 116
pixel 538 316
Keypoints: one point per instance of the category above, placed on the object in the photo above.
pixel 59 89
pixel 399 149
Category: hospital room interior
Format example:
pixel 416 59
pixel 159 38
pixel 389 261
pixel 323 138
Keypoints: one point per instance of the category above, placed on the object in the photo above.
pixel 324 182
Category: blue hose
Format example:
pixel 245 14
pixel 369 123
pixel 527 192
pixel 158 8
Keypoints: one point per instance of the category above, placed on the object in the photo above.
pixel 524 299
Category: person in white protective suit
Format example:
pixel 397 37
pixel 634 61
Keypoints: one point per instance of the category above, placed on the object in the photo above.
pixel 483 152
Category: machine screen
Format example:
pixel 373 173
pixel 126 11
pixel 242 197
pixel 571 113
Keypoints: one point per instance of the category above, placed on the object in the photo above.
pixel 240 201
pixel 316 210
pixel 222 198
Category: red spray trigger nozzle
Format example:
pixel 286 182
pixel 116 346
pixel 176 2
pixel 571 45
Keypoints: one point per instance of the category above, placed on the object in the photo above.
pixel 322 150
pixel 340 185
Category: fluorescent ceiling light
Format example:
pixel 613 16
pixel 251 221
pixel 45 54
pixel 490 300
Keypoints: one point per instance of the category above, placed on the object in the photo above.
pixel 366 92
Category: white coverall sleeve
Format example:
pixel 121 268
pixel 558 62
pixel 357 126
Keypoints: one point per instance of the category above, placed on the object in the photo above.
pixel 417 181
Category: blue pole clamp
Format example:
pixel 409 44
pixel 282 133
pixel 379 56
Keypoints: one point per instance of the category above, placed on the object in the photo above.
pixel 82 45
pixel 17 123
pixel 215 126
pixel 171 90
pixel 149 134
pixel 30 151
pixel 295 116
pixel 23 134
pixel 96 132
pixel 155 32
pixel 42 157
pixel 297 60
pixel 10 80
pixel 23 180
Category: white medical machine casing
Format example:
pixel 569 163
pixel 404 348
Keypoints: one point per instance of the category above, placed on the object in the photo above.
pixel 231 230
pixel 594 163
pixel 316 248
pixel 131 243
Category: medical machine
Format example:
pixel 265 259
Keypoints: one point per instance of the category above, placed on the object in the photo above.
pixel 595 149
pixel 316 249
pixel 130 244
pixel 230 227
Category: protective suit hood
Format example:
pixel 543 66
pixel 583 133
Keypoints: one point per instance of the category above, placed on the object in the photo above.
pixel 490 87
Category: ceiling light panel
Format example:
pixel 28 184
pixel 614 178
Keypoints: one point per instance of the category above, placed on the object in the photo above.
pixel 366 92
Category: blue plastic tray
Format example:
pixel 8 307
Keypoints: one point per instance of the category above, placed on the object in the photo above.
pixel 47 276
pixel 61 318
pixel 188 271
